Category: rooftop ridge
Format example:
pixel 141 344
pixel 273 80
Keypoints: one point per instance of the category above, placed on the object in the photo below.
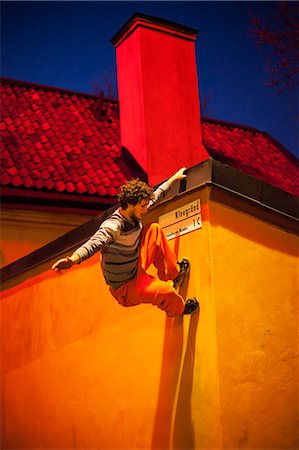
pixel 231 124
pixel 53 88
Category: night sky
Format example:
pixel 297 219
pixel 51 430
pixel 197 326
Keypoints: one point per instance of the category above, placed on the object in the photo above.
pixel 67 45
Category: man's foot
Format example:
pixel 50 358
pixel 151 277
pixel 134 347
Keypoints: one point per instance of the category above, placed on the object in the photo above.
pixel 192 305
pixel 184 270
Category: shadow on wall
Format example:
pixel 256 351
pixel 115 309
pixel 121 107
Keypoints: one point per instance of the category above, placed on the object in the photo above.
pixel 175 429
pixel 183 431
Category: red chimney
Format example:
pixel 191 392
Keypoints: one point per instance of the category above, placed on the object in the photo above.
pixel 158 95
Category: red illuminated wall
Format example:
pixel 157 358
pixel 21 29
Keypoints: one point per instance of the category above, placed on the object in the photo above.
pixel 158 95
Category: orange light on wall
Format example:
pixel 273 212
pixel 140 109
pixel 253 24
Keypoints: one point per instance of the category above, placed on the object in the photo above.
pixel 80 371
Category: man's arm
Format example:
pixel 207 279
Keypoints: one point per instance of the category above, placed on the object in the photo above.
pixel 102 238
pixel 66 263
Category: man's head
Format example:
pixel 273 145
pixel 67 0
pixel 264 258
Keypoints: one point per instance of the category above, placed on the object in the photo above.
pixel 134 197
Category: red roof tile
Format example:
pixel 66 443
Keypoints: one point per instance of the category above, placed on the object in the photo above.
pixel 67 137
pixel 61 141
pixel 253 152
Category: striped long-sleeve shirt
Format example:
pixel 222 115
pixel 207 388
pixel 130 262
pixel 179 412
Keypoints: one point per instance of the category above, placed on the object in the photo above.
pixel 118 240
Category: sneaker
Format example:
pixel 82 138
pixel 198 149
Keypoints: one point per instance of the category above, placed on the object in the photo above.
pixel 192 305
pixel 184 270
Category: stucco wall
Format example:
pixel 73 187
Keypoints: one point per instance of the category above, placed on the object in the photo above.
pixel 80 371
pixel 23 231
pixel 254 272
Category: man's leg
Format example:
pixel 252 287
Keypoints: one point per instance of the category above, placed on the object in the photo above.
pixel 154 249
pixel 145 288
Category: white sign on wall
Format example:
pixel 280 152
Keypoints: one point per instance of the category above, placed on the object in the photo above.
pixel 182 220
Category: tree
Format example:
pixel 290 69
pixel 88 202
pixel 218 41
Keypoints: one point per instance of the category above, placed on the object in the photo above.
pixel 279 40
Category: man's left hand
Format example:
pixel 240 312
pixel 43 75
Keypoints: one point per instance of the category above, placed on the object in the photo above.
pixel 179 175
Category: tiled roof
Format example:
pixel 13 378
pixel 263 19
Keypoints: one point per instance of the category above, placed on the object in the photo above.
pixel 253 152
pixel 59 140
pixel 65 142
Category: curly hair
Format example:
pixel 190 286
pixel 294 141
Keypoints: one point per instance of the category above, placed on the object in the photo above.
pixel 133 192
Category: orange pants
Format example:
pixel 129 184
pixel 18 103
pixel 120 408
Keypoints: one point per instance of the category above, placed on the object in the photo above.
pixel 144 288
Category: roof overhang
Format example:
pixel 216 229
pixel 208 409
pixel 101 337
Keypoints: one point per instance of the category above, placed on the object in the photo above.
pixel 22 198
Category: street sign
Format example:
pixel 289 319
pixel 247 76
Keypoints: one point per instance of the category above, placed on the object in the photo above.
pixel 182 220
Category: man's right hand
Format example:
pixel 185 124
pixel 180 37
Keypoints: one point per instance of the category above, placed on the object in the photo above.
pixel 66 263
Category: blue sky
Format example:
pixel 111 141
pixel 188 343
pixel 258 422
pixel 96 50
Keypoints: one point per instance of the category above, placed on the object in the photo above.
pixel 67 44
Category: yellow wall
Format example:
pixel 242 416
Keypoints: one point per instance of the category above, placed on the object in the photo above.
pixel 23 231
pixel 80 371
pixel 254 271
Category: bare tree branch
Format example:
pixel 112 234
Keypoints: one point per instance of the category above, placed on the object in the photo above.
pixel 278 39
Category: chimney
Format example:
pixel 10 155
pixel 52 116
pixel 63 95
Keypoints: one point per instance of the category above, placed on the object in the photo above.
pixel 158 95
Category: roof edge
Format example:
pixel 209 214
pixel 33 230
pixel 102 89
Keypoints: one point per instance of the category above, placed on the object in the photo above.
pixel 282 148
pixel 255 190
pixel 268 136
pixel 230 124
pixel 52 88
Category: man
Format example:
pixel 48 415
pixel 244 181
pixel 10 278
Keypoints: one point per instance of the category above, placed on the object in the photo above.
pixel 128 250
